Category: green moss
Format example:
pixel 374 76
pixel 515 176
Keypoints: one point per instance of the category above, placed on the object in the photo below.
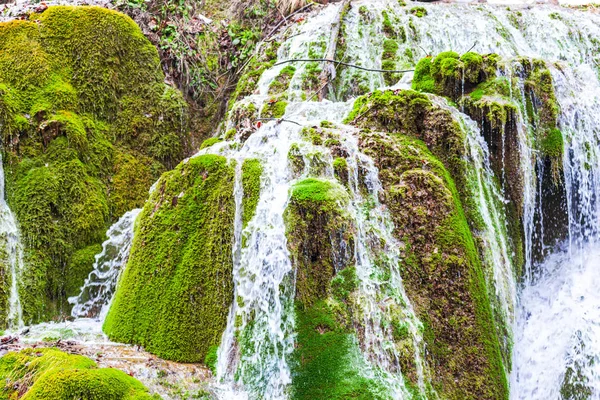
pixel 388 27
pixel 209 142
pixel 282 81
pixel 412 113
pixel 423 80
pixel 133 174
pixel 79 267
pixel 450 74
pixel 315 208
pixel 252 170
pixel 344 283
pixel 274 109
pixel 317 191
pixel 311 80
pixel 472 66
pixel 340 167
pixel 53 375
pixel 180 261
pixel 552 144
pixel 89 125
pixel 327 360
pixel 418 11
pixel 388 60
pixel 211 358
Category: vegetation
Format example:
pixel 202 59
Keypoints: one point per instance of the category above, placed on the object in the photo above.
pixel 326 362
pixel 89 125
pixel 50 374
pixel 446 286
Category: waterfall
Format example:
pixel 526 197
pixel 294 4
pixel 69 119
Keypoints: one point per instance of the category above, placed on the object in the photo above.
pixel 255 352
pixel 258 367
pixel 558 351
pixel 13 250
pixel 98 289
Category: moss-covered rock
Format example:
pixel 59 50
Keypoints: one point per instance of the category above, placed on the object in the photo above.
pixel 175 293
pixel 441 269
pixel 88 125
pixel 414 114
pixel 50 374
pixel 450 74
pixel 316 208
pixel 327 362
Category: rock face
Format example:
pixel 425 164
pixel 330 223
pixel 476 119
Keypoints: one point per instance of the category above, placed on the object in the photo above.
pixel 87 126
pixel 420 160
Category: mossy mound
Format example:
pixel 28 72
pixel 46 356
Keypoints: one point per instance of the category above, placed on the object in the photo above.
pixel 450 74
pixel 327 362
pixel 441 269
pixel 87 126
pixel 50 374
pixel 414 114
pixel 176 291
pixel 316 209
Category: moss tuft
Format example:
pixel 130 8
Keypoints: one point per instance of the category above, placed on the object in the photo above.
pixel 274 109
pixel 418 12
pixel 50 374
pixel 252 170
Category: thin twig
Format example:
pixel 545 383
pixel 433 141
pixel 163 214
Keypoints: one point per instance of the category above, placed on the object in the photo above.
pixel 278 120
pixel 342 63
pixel 285 20
pixel 472 47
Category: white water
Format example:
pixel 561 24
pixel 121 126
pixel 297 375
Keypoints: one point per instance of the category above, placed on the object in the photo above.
pixel 99 287
pixel 559 335
pixel 263 276
pixel 9 231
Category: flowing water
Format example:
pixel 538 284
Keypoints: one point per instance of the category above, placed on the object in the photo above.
pixel 99 287
pixel 559 348
pixel 13 254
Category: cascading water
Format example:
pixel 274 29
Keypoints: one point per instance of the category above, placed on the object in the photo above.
pixel 558 351
pixel 13 251
pixel 263 276
pixel 97 292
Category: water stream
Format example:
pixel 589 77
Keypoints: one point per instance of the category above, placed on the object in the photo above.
pixel 13 254
pixel 99 287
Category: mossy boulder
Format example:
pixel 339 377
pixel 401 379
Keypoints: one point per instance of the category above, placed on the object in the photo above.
pixel 327 361
pixel 316 209
pixel 450 74
pixel 87 126
pixel 174 295
pixel 440 267
pixel 414 114
pixel 51 374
